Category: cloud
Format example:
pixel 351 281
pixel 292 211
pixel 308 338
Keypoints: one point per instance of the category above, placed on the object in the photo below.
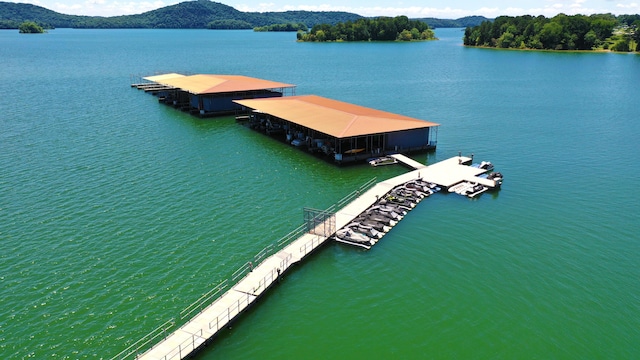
pixel 631 8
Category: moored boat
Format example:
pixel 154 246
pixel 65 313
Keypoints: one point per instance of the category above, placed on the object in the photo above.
pixel 383 160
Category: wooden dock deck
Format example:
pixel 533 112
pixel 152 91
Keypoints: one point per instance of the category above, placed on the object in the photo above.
pixel 202 327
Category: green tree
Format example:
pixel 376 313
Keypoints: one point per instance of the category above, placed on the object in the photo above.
pixel 506 40
pixel 415 33
pixel 428 34
pixel 603 26
pixel 591 39
pixel 485 34
pixel 30 27
pixel 551 35
pixel 621 45
pixel 405 35
pixel 636 34
pixel 468 36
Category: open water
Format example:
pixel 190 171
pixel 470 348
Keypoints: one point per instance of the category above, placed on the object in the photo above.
pixel 117 212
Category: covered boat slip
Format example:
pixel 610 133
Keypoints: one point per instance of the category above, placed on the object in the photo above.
pixel 211 95
pixel 343 131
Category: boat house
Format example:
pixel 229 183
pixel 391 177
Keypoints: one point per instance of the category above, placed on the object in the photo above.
pixel 343 131
pixel 211 95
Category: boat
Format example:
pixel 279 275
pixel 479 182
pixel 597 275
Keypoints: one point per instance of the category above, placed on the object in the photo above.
pixel 476 190
pixel 377 209
pixel 349 235
pixel 383 160
pixel 298 142
pixel 352 243
pixel 365 221
pixel 486 165
pixel 366 230
pixel 353 151
pixel 496 177
pixel 455 188
pixel 463 190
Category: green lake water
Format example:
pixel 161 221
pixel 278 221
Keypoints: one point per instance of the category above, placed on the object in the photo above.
pixel 117 212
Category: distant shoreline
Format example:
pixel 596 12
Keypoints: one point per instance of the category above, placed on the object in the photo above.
pixel 601 51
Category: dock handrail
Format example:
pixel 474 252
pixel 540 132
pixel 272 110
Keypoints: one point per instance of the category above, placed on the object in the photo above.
pixel 285 240
pixel 204 299
pixel 309 245
pixel 233 308
pixel 188 345
pixel 145 340
pixel 242 271
pixel 263 254
pixel 345 200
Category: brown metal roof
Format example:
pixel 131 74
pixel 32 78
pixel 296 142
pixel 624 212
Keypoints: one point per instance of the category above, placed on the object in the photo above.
pixel 334 118
pixel 211 84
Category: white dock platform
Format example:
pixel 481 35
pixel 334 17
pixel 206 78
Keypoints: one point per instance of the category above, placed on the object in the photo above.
pixel 207 323
pixel 449 172
pixel 408 161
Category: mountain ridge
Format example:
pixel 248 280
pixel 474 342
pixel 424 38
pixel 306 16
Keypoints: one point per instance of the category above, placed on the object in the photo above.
pixel 198 14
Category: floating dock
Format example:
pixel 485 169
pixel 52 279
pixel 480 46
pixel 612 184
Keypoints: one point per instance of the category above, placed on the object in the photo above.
pixel 253 279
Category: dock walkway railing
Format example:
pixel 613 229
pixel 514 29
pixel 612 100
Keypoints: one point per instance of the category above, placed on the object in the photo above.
pixel 202 303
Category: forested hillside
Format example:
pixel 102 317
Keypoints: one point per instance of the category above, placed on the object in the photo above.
pixel 457 23
pixel 562 32
pixel 13 14
pixel 198 14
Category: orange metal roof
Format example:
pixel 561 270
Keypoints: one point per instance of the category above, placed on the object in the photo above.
pixel 332 117
pixel 211 84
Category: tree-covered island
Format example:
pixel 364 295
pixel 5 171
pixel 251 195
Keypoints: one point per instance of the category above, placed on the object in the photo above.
pixel 30 27
pixel 398 28
pixel 562 32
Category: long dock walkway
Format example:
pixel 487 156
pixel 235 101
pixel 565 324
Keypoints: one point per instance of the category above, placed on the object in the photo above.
pixel 206 324
pixel 254 281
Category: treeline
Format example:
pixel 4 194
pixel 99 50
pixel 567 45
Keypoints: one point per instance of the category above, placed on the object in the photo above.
pixel 562 32
pixel 398 28
pixel 282 27
pixel 462 22
pixel 200 14
pixel 229 25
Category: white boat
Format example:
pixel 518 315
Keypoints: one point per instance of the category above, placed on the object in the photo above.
pixel 352 243
pixel 463 190
pixel 353 236
pixel 486 165
pixel 476 190
pixel 455 188
pixel 383 160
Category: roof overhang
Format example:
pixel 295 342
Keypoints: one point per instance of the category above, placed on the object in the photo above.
pixel 203 84
pixel 335 118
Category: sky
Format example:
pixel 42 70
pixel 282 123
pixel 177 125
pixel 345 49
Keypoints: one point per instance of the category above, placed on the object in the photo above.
pixel 451 9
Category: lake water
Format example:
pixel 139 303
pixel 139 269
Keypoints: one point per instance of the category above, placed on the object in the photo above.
pixel 117 212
